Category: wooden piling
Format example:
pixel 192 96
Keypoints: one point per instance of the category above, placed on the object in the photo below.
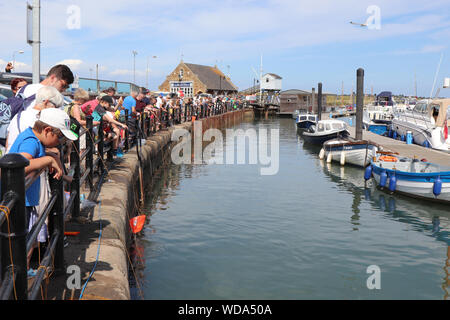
pixel 359 103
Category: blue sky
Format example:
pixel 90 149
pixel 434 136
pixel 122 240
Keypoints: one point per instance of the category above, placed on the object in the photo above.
pixel 305 42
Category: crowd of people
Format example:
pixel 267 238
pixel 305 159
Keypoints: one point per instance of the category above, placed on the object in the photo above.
pixel 37 122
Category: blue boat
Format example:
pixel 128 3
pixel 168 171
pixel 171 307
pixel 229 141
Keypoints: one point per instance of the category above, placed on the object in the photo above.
pixel 411 177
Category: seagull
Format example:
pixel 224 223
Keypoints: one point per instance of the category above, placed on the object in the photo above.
pixel 359 24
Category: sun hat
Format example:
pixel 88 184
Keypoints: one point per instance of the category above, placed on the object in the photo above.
pixel 58 119
pixel 101 95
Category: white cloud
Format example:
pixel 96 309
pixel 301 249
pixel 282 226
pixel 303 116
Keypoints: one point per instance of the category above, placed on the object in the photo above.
pixel 73 64
pixel 19 66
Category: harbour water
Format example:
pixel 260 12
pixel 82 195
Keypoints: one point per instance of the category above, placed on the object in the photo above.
pixel 308 232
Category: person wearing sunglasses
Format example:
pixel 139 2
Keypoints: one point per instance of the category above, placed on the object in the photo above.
pixel 60 77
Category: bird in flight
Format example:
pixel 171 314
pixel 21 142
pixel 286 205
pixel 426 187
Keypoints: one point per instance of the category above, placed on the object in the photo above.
pixel 359 24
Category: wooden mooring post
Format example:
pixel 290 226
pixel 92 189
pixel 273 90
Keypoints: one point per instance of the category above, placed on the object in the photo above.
pixel 359 103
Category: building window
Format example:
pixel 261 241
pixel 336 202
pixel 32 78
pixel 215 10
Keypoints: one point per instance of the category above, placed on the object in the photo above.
pixel 181 73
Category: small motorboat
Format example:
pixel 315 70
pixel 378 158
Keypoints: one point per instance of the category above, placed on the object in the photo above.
pixel 349 150
pixel 412 177
pixel 325 130
pixel 306 120
pixel 375 123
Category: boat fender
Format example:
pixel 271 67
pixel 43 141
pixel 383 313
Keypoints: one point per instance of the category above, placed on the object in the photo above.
pixel 402 137
pixel 368 173
pixel 322 154
pixel 426 144
pixel 342 158
pixel 383 178
pixel 329 157
pixel 392 183
pixel 394 135
pixel 437 187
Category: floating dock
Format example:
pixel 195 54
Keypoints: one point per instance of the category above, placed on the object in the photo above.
pixel 406 150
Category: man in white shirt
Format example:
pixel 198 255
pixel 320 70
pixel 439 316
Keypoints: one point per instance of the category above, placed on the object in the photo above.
pixel 46 97
pixel 59 77
pixel 159 102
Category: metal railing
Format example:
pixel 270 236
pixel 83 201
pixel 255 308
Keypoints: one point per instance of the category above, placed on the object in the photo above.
pixel 85 166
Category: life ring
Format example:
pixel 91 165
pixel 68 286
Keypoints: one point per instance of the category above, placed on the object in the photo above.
pixel 388 159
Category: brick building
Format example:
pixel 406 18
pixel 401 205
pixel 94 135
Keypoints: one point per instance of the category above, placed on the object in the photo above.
pixel 195 78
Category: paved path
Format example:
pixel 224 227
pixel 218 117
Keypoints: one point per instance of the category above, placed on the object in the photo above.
pixel 406 150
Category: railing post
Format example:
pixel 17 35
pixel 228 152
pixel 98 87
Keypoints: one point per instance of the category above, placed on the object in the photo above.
pixel 144 127
pixel 75 185
pixel 90 144
pixel 13 179
pixel 56 222
pixel 101 146
pixel 127 132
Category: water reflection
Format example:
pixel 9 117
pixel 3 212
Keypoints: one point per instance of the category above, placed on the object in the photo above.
pixel 421 216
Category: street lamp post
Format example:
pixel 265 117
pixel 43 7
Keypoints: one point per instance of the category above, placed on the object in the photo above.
pixel 14 57
pixel 134 65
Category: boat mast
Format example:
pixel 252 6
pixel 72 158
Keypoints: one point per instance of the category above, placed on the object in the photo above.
pixel 435 76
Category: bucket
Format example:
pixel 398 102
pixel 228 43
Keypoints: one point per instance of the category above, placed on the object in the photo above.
pixel 193 118
pixel 409 137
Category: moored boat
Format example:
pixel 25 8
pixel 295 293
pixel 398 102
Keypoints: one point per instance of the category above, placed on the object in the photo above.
pixel 306 120
pixel 411 177
pixel 325 130
pixel 427 123
pixel 349 150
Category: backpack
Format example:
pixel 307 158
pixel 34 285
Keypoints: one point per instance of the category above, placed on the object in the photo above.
pixel 12 106
pixel 89 107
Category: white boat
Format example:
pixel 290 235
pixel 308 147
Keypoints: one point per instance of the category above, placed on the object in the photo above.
pixel 349 150
pixel 325 130
pixel 411 177
pixel 306 120
pixel 428 123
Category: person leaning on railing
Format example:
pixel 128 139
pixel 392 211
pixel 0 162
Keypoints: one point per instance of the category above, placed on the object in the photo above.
pixel 153 112
pixel 77 115
pixel 105 111
pixel 50 131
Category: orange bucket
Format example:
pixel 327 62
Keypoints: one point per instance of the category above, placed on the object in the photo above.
pixel 193 118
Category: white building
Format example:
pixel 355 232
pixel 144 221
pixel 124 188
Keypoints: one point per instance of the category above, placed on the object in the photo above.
pixel 271 81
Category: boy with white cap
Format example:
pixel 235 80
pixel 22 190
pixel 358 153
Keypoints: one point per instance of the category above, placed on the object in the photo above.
pixel 50 130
